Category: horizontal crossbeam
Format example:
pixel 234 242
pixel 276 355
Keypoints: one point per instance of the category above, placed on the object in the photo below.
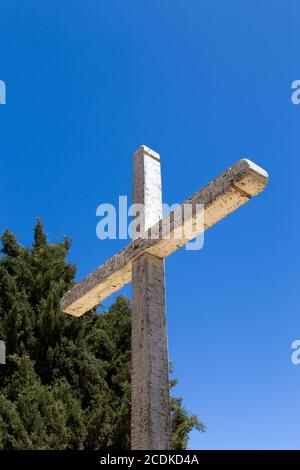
pixel 226 193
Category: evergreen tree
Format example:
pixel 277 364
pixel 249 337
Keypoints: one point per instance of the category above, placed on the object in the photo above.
pixel 66 384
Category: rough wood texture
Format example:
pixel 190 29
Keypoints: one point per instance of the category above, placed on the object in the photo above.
pixel 150 401
pixel 2 352
pixel 146 188
pixel 222 196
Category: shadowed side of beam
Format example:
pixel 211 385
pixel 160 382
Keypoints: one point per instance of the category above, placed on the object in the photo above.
pixel 223 195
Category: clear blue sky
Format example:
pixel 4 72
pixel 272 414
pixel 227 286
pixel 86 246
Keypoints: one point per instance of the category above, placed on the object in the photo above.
pixel 204 83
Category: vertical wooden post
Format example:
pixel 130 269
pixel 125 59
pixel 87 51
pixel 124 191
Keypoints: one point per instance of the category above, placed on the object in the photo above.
pixel 150 398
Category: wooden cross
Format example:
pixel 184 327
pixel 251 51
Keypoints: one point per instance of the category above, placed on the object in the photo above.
pixel 142 263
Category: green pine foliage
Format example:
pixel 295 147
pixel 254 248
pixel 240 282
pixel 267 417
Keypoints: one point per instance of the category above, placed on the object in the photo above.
pixel 66 384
